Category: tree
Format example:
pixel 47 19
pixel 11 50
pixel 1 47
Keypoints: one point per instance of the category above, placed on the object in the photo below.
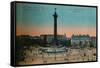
pixel 68 43
pixel 91 44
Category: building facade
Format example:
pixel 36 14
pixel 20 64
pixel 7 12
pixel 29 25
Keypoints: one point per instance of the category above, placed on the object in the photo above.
pixel 80 40
pixel 50 38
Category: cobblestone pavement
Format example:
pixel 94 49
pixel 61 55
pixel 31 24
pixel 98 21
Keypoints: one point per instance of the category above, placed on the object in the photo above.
pixel 74 55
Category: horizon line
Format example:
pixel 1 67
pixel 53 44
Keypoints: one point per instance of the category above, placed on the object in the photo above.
pixel 58 34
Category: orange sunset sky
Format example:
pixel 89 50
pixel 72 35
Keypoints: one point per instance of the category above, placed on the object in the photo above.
pixel 37 19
